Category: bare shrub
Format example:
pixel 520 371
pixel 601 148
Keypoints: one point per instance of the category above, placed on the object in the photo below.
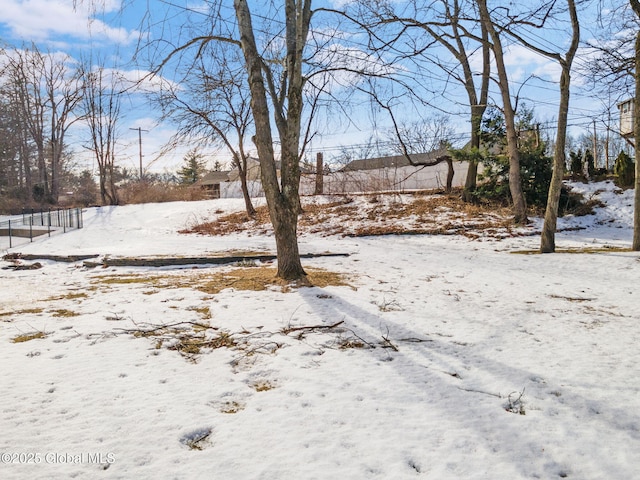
pixel 159 192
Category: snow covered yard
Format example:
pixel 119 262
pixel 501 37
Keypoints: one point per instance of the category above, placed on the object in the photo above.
pixel 442 357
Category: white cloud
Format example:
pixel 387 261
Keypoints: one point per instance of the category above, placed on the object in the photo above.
pixel 143 81
pixel 521 63
pixel 40 20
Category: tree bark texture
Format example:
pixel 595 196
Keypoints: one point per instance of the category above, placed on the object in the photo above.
pixel 515 182
pixel 635 246
pixel 282 196
pixel 547 240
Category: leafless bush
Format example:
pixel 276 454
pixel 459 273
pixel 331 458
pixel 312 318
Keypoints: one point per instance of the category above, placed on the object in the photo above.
pixel 147 192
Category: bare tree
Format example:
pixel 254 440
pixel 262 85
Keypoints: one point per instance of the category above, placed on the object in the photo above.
pixel 617 65
pixel 449 24
pixel 635 5
pixel 611 58
pixel 274 72
pixel 515 182
pixel 286 105
pixel 547 241
pixel 102 95
pixel 212 106
pixel 15 148
pixel 47 91
pixel 431 135
pixel 423 136
pixel 24 72
pixel 64 92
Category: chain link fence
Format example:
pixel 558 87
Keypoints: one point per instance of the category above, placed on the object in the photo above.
pixel 32 224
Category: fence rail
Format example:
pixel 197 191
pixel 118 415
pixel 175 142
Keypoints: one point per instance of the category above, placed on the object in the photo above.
pixel 32 224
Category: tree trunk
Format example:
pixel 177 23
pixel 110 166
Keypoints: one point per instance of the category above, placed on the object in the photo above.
pixel 450 174
pixel 283 204
pixel 285 226
pixel 477 111
pixel 319 190
pixel 478 107
pixel 547 240
pixel 103 185
pixel 242 173
pixel 515 182
pixel 635 246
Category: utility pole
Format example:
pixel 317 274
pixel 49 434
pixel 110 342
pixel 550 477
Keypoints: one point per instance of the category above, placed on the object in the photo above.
pixel 319 174
pixel 140 130
pixel 595 145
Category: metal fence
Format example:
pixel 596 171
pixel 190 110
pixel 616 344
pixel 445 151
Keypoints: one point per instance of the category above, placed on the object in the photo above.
pixel 32 224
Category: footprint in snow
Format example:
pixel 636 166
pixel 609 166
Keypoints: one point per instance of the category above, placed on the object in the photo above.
pixel 197 439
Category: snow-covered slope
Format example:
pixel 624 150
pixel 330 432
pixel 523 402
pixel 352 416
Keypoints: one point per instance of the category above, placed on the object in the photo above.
pixel 455 358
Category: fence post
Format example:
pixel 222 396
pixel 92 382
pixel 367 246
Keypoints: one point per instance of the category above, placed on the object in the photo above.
pixel 30 229
pixel 10 244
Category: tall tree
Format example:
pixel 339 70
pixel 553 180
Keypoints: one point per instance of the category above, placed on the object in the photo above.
pixel 63 91
pixel 635 5
pixel 274 72
pixel 102 96
pixel 547 240
pixel 515 183
pixel 24 70
pixel 47 90
pixel 286 105
pixel 12 159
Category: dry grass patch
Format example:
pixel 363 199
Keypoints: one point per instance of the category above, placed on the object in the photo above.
pixel 151 283
pixel 25 311
pixel 204 312
pixel 231 406
pixel 191 343
pixel 347 343
pixel 263 278
pixel 381 214
pixel 189 339
pixel 68 296
pixel 232 222
pixel 263 386
pixel 127 279
pixel 63 312
pixel 26 337
pixel 254 278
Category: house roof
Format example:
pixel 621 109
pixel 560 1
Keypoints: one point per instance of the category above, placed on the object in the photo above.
pixel 393 161
pixel 213 178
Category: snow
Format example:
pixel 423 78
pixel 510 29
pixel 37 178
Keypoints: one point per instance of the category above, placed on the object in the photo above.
pixel 464 331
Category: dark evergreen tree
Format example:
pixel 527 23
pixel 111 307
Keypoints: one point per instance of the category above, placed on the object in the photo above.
pixel 576 166
pixel 193 168
pixel 535 165
pixel 624 171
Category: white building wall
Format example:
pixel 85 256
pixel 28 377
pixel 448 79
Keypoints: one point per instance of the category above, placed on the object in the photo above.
pixel 384 179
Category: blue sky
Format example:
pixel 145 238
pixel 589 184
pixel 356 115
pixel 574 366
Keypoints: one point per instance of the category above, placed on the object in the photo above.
pixel 114 29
